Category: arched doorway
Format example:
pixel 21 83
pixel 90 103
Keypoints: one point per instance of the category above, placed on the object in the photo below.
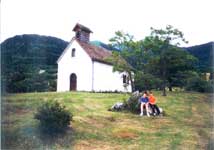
pixel 73 82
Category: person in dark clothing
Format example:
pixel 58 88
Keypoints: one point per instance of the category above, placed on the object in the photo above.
pixel 152 102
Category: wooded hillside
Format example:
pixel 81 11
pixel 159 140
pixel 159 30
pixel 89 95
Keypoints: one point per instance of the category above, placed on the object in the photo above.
pixel 204 53
pixel 29 61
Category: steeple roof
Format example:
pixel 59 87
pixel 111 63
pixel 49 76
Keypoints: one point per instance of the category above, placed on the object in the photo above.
pixel 78 27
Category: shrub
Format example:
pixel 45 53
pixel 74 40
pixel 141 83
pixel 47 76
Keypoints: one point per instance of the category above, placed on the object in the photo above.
pixel 199 85
pixel 210 86
pixel 53 117
pixel 133 104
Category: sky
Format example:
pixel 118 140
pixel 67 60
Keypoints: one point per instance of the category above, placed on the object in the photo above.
pixel 195 18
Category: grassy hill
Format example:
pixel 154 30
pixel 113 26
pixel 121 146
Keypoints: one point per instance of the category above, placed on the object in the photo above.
pixel 187 124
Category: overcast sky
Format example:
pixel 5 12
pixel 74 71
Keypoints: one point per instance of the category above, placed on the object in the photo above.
pixel 195 18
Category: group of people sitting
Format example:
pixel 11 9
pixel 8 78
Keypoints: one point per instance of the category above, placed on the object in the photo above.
pixel 149 102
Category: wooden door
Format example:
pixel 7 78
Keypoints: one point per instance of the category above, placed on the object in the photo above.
pixel 73 82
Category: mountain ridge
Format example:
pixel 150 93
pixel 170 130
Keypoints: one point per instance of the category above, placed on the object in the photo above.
pixel 204 53
pixel 28 61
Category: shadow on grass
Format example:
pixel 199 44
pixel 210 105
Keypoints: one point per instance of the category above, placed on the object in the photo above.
pixel 210 145
pixel 63 138
pixel 34 138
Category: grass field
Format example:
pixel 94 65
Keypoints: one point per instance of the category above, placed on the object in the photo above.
pixel 188 123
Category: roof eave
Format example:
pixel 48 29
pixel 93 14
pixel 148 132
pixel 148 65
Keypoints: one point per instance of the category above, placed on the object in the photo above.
pixel 102 61
pixel 64 51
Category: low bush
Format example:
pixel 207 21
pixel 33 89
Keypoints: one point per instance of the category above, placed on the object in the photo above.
pixel 199 85
pixel 133 103
pixel 53 117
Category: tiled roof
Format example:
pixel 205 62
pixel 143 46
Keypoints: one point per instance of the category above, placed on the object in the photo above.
pixel 96 53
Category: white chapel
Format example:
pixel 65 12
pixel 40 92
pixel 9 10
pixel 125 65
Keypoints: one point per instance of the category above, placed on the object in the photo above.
pixel 82 67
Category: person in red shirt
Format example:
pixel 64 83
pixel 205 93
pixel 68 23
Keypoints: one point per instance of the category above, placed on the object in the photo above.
pixel 152 102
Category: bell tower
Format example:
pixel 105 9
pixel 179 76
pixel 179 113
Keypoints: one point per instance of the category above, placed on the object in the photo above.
pixel 82 33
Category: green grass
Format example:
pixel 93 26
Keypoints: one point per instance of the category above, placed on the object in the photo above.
pixel 187 124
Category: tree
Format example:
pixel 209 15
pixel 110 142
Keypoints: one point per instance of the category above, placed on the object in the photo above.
pixel 121 65
pixel 157 61
pixel 123 42
pixel 167 58
pixel 146 81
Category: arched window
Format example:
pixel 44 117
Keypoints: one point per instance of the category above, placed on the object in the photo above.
pixel 73 52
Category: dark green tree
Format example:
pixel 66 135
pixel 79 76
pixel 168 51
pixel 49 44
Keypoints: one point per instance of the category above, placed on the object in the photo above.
pixel 121 65
pixel 130 57
pixel 124 59
pixel 167 58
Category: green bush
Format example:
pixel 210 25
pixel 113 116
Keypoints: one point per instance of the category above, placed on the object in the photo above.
pixel 133 104
pixel 199 85
pixel 53 117
pixel 210 86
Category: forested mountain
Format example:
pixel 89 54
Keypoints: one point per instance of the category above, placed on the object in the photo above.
pixel 29 63
pixel 204 53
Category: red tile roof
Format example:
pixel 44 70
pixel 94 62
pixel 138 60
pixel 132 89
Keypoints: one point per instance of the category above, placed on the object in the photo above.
pixel 96 53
